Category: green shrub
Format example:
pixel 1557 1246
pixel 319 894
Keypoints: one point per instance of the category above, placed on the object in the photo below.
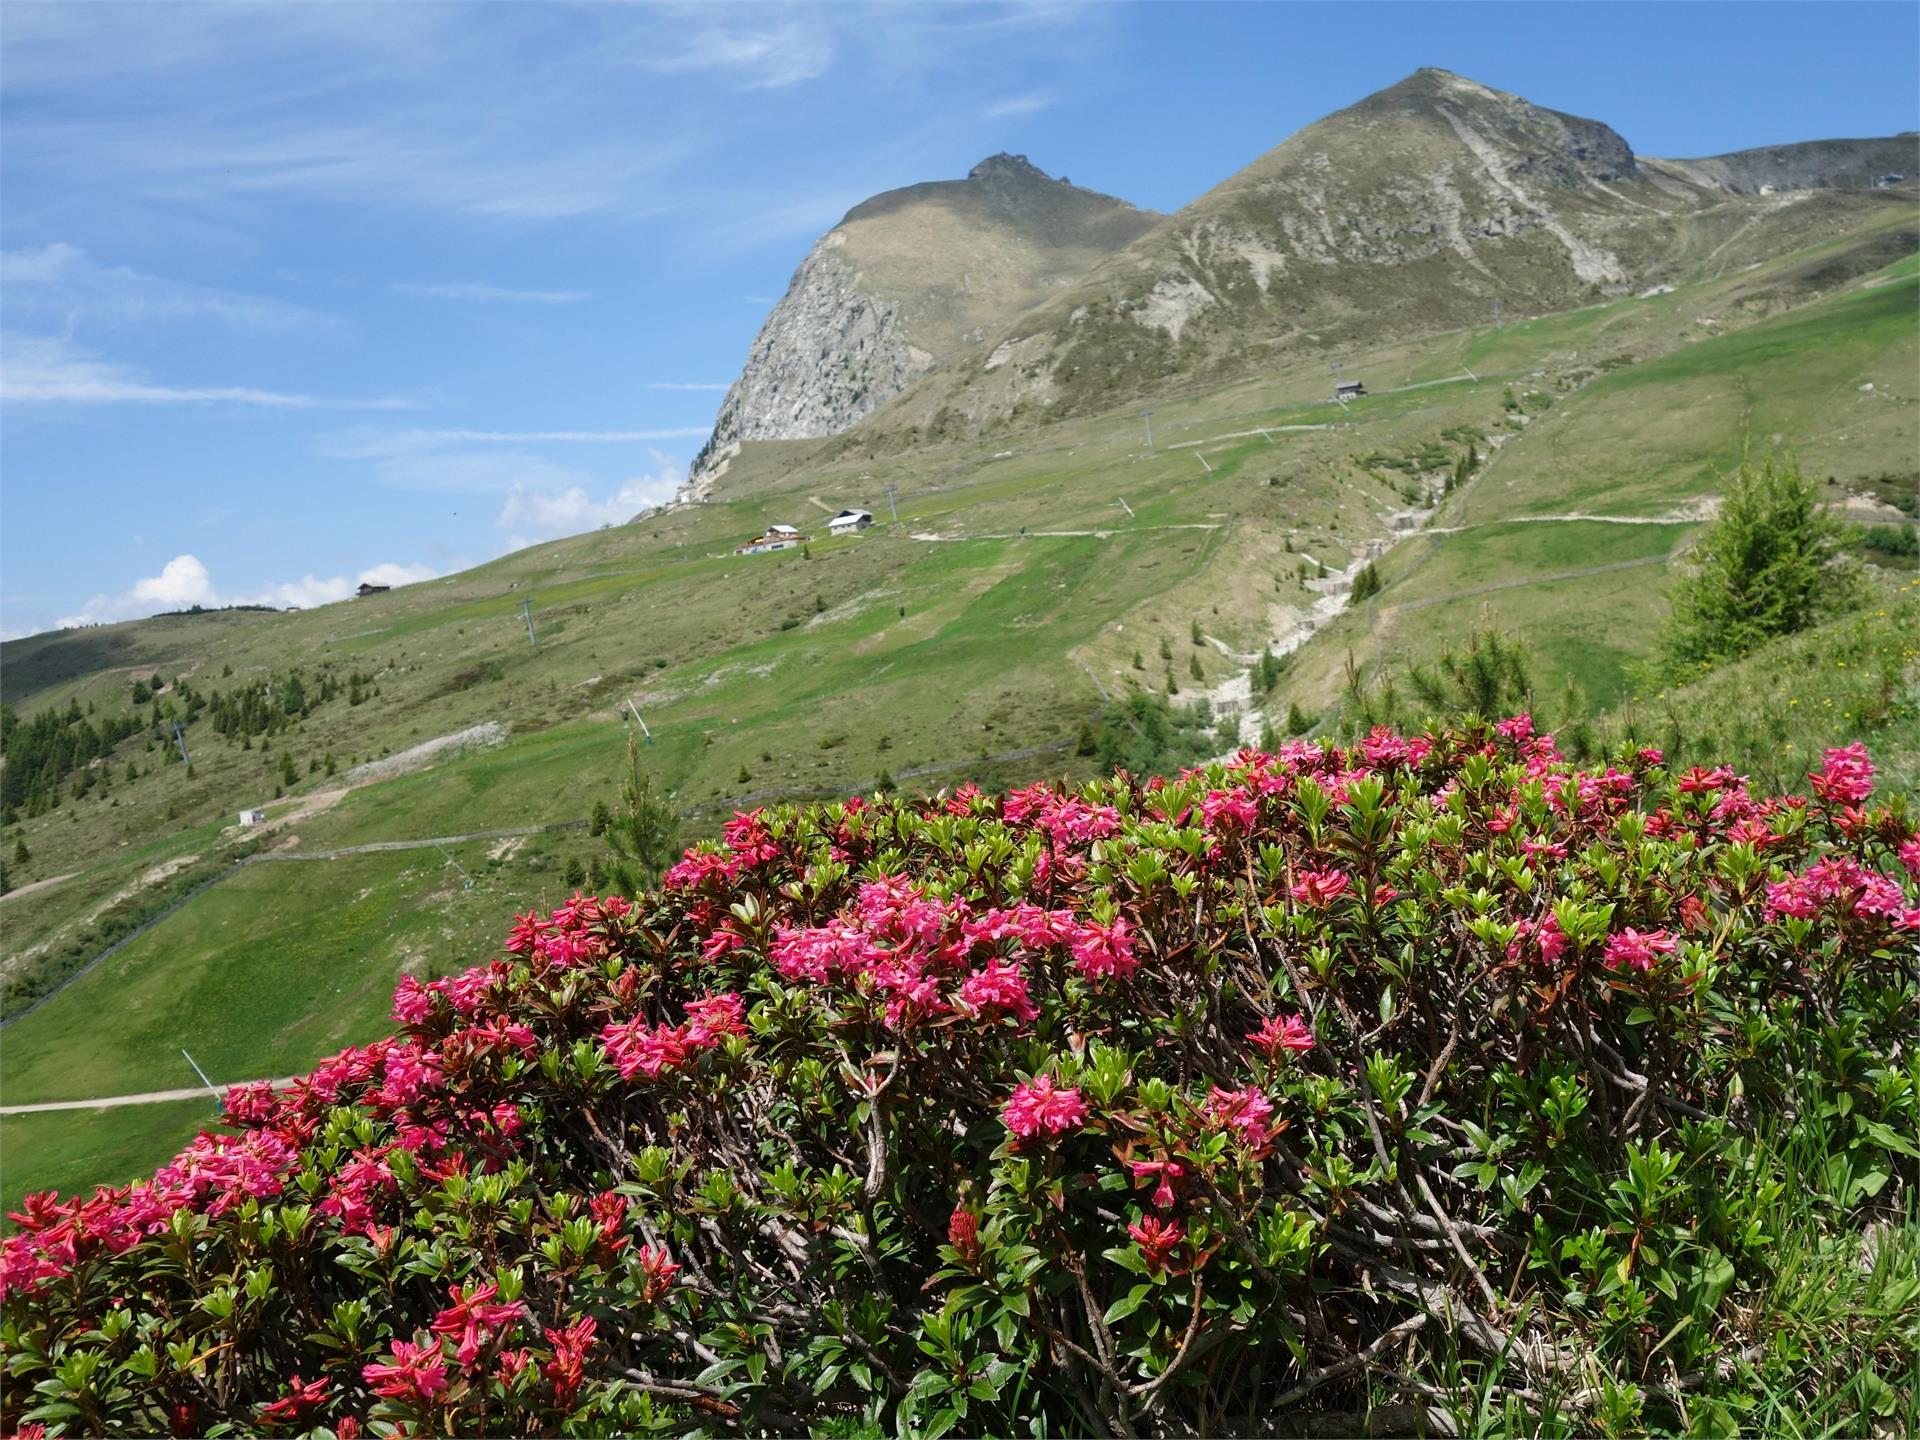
pixel 1220 1104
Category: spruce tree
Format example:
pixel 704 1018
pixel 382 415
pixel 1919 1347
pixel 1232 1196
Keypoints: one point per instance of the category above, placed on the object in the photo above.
pixel 1771 564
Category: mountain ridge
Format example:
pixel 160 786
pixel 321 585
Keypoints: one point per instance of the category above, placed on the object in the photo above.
pixel 1417 209
pixel 906 279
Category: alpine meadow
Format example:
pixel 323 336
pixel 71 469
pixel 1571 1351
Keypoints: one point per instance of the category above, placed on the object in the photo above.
pixel 1293 814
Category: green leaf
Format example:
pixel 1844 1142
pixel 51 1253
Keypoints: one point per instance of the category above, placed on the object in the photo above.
pixel 1128 1303
pixel 1889 1139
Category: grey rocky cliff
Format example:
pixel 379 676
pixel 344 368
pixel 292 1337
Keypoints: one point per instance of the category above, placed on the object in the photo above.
pixel 827 356
pixel 908 280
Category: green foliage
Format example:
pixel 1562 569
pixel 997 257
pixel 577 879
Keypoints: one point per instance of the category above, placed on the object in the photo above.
pixel 643 829
pixel 1366 585
pixel 1900 542
pixel 1526 1070
pixel 1489 678
pixel 1770 714
pixel 1148 735
pixel 1267 671
pixel 1771 564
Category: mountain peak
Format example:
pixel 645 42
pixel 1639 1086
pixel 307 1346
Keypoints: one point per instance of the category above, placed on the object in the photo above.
pixel 1007 167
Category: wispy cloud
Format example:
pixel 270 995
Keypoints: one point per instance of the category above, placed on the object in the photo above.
pixel 185 581
pixel 803 215
pixel 686 385
pixel 43 370
pixel 768 58
pixel 364 445
pixel 493 294
pixel 63 284
pixel 1017 105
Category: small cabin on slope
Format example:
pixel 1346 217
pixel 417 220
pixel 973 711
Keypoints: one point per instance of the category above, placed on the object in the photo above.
pixel 777 537
pixel 849 522
pixel 366 590
pixel 253 817
pixel 1349 390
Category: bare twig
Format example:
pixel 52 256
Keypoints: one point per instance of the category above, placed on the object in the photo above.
pixel 1327 1374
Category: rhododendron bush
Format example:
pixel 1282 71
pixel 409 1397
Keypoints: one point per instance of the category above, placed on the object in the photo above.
pixel 1155 1107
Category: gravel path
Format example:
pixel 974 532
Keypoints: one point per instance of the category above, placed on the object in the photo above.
pixel 146 1097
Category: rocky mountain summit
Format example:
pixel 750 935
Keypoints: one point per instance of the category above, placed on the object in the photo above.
pixel 1418 209
pixel 961 307
pixel 908 280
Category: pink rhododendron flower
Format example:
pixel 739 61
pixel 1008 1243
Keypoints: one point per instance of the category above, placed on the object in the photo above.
pixel 637 1048
pixel 1910 855
pixel 1000 985
pixel 1697 780
pixel 609 1212
pixel 568 1367
pixel 1846 778
pixel 526 933
pixel 1518 729
pixel 963 1233
pixel 1157 1240
pixel 302 1400
pixel 412 1001
pixel 1038 1105
pixel 511 1363
pixel 1105 950
pixel 1247 1112
pixel 1637 948
pixel 711 1020
pixel 1232 811
pixel 417 1374
pixel 475 1320
pixel 1283 1032
pixel 657 1266
pixel 1318 889
pixel 1168 1172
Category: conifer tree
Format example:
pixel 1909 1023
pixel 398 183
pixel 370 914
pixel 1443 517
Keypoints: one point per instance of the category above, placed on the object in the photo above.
pixel 1770 564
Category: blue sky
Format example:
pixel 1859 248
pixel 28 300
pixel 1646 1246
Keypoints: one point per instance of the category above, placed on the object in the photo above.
pixel 296 295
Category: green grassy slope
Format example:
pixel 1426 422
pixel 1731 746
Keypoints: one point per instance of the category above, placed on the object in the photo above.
pixel 969 640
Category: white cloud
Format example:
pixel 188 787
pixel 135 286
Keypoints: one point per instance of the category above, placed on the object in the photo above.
pixel 64 282
pixel 1017 105
pixel 184 582
pixel 533 512
pixel 767 59
pixel 686 385
pixel 46 370
pixel 493 294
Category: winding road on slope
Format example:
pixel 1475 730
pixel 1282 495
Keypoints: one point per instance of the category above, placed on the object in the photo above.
pixel 146 1097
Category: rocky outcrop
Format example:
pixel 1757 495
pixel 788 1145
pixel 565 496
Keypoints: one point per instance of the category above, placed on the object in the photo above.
pixel 827 356
pixel 904 282
pixel 1814 165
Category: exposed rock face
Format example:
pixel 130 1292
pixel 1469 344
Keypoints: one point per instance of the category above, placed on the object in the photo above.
pixel 1815 165
pixel 828 355
pixel 907 280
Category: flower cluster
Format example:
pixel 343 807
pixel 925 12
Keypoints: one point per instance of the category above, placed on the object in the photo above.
pixel 1061 1085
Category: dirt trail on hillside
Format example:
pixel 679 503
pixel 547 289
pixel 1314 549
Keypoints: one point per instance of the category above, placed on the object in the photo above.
pixel 145 1097
pixel 46 884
